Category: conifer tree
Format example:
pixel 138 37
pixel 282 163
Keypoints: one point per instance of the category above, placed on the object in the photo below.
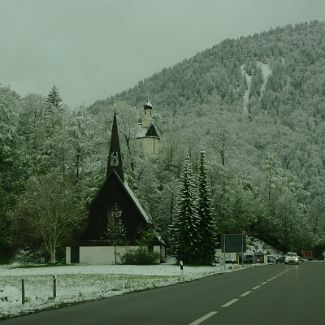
pixel 207 227
pixel 186 234
pixel 54 98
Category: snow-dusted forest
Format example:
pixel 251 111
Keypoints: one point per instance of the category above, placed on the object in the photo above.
pixel 256 105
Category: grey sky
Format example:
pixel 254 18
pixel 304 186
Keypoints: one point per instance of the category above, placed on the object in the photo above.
pixel 91 49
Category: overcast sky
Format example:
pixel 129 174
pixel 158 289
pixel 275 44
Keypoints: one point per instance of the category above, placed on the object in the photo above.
pixel 91 49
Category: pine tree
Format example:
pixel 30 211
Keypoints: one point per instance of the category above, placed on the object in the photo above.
pixel 54 98
pixel 207 227
pixel 186 234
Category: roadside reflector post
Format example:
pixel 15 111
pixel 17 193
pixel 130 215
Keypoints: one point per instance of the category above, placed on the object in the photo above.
pixel 224 253
pixel 181 266
pixel 54 286
pixel 22 291
pixel 242 250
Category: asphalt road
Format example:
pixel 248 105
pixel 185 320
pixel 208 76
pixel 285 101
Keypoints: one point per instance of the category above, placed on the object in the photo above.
pixel 275 294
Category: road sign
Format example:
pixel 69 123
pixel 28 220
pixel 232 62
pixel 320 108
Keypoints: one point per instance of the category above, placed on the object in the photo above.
pixel 233 243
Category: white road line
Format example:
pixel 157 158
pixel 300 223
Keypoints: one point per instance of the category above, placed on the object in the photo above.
pixel 229 303
pixel 203 318
pixel 268 280
pixel 256 287
pixel 245 293
pixel 263 283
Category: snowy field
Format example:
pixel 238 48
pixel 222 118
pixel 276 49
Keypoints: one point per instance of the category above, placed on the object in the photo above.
pixel 80 283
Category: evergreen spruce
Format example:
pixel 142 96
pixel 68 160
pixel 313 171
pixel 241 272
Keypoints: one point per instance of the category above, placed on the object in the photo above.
pixel 54 98
pixel 186 234
pixel 207 227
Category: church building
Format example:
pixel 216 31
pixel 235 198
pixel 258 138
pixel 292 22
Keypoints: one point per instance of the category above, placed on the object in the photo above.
pixel 147 134
pixel 93 245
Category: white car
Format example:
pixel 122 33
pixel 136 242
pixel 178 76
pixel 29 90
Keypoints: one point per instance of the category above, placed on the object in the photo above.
pixel 291 258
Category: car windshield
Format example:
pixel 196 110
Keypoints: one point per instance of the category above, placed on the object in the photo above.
pixel 292 254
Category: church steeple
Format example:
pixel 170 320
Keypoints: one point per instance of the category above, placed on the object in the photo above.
pixel 114 156
pixel 147 118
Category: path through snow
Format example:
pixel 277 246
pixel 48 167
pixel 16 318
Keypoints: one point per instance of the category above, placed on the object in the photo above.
pixel 248 90
pixel 266 72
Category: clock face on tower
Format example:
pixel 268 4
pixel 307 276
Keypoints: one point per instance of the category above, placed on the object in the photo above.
pixel 114 161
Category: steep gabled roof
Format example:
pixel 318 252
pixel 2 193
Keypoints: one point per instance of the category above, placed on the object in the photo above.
pixel 151 132
pixel 137 203
pixel 132 197
pixel 115 191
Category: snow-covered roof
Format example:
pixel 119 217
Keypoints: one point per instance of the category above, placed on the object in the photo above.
pixel 142 132
pixel 148 104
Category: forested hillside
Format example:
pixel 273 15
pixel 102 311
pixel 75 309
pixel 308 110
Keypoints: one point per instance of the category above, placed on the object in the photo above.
pixel 256 105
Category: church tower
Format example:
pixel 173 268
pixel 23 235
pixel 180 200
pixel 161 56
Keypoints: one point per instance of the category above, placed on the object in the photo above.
pixel 148 117
pixel 114 156
pixel 147 134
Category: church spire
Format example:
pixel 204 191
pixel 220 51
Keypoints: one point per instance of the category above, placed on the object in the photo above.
pixel 114 156
pixel 147 118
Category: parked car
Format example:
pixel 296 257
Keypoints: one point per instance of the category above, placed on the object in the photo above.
pixel 280 259
pixel 248 259
pixel 291 258
pixel 271 259
pixel 259 257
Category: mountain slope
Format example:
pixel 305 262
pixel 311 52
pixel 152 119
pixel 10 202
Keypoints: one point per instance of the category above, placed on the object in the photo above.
pixel 216 72
pixel 204 102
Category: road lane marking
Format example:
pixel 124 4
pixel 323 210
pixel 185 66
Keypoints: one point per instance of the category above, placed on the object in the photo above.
pixel 203 318
pixel 263 283
pixel 245 293
pixel 229 303
pixel 255 288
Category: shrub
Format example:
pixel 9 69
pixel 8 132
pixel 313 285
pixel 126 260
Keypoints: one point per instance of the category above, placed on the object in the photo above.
pixel 141 257
pixel 27 256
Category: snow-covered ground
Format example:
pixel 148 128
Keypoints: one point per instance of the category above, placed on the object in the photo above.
pixel 248 90
pixel 86 282
pixel 266 72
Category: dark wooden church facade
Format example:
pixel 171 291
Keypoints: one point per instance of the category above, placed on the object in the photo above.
pixel 114 192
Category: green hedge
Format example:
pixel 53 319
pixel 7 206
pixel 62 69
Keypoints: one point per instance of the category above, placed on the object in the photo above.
pixel 141 257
